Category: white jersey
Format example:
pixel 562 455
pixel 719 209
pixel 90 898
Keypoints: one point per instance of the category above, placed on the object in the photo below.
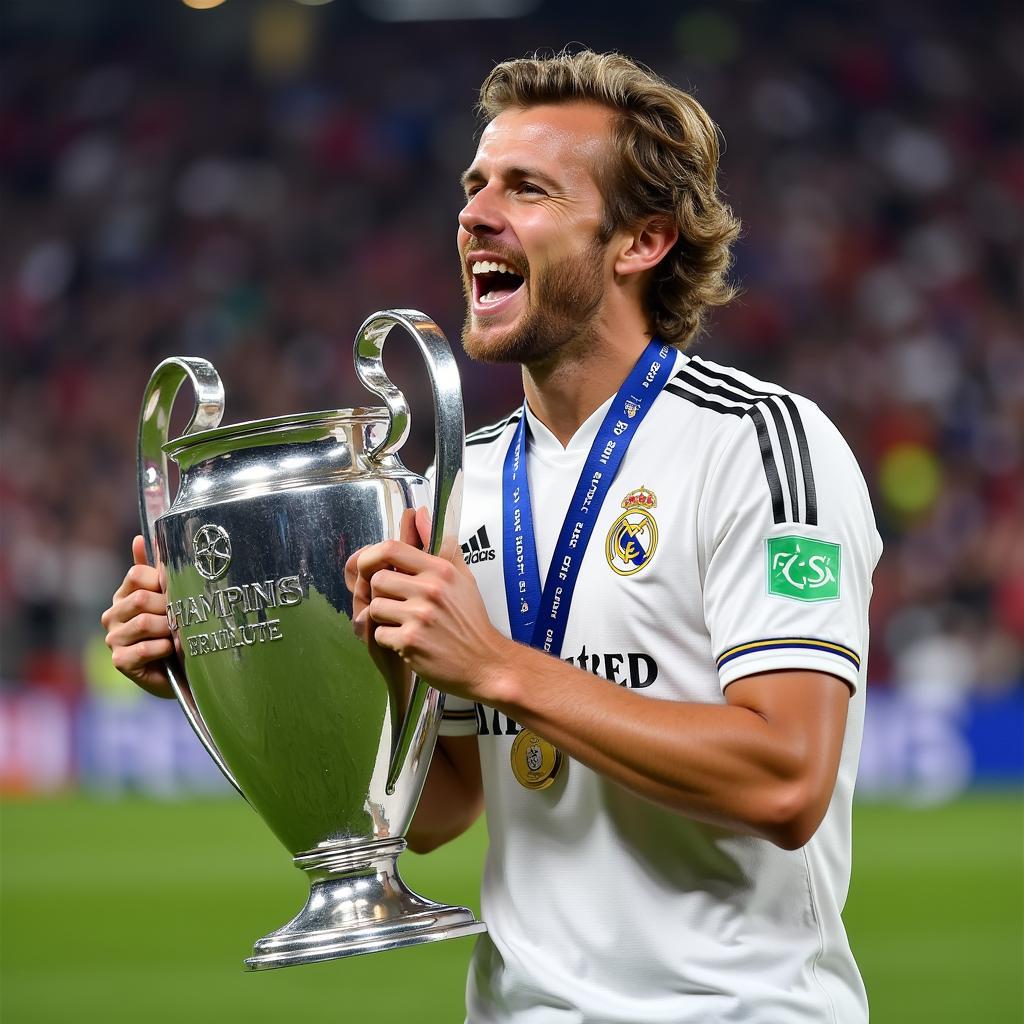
pixel 737 538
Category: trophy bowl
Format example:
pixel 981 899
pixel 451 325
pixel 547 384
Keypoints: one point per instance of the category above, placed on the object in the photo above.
pixel 328 748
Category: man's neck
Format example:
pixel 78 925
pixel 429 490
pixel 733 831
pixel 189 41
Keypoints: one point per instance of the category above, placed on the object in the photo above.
pixel 564 391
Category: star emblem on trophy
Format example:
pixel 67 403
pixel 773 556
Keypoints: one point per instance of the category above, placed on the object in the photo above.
pixel 211 550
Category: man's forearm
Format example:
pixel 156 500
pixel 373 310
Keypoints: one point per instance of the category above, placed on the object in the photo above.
pixel 741 767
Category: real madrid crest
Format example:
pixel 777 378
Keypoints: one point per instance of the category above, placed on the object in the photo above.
pixel 634 535
pixel 535 762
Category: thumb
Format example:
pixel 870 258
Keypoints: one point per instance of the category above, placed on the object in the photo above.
pixel 423 525
pixel 408 532
pixel 139 550
pixel 450 546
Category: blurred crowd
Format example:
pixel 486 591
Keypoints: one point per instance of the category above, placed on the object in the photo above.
pixel 252 205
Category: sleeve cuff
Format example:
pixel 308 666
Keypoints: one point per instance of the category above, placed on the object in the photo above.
pixel 458 720
pixel 775 654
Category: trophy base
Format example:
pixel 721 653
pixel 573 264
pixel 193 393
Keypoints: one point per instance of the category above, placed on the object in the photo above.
pixel 358 903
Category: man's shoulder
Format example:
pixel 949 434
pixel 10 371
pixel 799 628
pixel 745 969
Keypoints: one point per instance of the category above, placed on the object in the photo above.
pixel 777 438
pixel 727 390
pixel 728 397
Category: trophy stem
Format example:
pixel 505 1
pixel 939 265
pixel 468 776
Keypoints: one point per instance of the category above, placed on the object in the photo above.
pixel 358 903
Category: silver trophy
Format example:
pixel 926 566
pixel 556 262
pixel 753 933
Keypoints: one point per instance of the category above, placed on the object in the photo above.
pixel 329 747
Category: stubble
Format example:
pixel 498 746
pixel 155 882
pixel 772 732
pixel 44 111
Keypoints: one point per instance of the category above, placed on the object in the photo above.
pixel 563 304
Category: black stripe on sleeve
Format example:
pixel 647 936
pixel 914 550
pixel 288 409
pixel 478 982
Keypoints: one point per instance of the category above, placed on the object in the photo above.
pixel 704 403
pixel 803 449
pixel 485 435
pixel 771 470
pixel 744 395
pixel 703 386
pixel 492 428
pixel 468 715
pixel 764 441
pixel 787 455
pixel 810 495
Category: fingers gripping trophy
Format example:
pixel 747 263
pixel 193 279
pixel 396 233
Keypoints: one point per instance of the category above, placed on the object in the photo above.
pixel 329 744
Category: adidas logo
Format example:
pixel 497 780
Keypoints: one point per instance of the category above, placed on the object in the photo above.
pixel 478 548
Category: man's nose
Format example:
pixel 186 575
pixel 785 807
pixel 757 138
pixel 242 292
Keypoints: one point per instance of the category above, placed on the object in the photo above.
pixel 481 215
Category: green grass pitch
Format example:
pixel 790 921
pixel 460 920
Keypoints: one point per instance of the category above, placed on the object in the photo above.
pixel 133 910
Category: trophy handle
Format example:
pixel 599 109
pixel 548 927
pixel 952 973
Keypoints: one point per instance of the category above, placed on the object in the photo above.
pixel 154 494
pixel 449 441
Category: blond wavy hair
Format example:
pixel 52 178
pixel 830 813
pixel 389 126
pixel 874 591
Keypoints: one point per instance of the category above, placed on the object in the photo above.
pixel 663 162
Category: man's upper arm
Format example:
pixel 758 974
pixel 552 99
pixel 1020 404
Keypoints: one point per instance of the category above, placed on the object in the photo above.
pixel 788 544
pixel 807 710
pixel 463 753
pixel 453 796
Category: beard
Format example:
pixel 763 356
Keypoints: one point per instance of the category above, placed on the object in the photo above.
pixel 563 302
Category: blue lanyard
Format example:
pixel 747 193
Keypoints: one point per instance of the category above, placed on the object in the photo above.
pixel 541 619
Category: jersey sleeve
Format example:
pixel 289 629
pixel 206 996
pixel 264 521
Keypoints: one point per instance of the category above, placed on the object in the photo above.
pixel 787 546
pixel 458 718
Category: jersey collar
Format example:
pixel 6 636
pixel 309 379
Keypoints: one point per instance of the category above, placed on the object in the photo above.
pixel 544 443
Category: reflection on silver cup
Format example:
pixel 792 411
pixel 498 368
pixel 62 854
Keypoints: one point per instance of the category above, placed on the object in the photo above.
pixel 328 746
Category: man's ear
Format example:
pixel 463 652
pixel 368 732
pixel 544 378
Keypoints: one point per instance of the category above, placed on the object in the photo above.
pixel 643 247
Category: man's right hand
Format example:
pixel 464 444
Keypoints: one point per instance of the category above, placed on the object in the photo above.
pixel 138 633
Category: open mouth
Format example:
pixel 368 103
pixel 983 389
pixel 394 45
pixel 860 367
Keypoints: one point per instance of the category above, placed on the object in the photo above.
pixel 493 282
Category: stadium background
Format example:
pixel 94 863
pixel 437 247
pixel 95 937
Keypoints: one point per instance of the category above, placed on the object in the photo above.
pixel 246 183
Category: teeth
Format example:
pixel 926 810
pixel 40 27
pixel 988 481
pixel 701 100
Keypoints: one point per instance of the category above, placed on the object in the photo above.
pixel 490 267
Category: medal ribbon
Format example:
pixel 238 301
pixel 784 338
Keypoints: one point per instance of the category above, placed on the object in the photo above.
pixel 540 619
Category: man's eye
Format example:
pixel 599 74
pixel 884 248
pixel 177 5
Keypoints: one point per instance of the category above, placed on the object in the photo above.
pixel 530 188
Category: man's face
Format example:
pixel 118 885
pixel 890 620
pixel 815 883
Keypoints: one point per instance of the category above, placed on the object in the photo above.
pixel 533 267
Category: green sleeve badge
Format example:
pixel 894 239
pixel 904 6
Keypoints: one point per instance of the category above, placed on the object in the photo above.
pixel 804 569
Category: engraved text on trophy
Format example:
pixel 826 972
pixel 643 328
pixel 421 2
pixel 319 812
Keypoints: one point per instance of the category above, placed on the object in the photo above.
pixel 230 604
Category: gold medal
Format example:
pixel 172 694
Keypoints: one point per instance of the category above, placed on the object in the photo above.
pixel 535 762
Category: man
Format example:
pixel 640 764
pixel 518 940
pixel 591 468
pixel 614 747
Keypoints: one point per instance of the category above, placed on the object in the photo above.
pixel 656 682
